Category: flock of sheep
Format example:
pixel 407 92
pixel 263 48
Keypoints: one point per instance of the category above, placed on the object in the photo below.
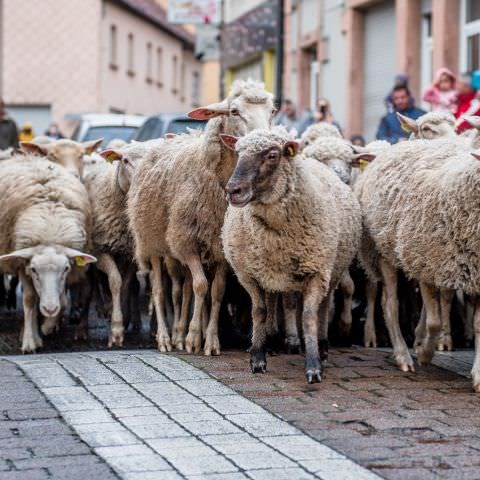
pixel 288 215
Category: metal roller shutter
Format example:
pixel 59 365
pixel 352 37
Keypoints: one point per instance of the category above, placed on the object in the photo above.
pixel 379 62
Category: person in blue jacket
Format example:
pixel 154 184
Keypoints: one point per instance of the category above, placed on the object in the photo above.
pixel 389 128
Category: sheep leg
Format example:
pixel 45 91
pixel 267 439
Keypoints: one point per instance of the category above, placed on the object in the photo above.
pixel 173 269
pixel 369 335
pixel 348 289
pixel 184 314
pixel 205 318
pixel 467 319
pixel 312 298
pixel 292 340
pixel 433 324
pixel 212 343
pixel 445 339
pixel 273 334
pixel 31 339
pixel 390 309
pixel 158 297
pixel 107 265
pixel 200 290
pixel 134 301
pixel 324 319
pixel 476 362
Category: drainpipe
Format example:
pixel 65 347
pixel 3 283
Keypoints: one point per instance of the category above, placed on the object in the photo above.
pixel 279 53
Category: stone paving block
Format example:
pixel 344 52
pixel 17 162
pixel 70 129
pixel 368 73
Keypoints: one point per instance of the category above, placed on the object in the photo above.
pixel 47 462
pixel 205 387
pixel 54 448
pixel 138 463
pixel 216 427
pixel 228 439
pixel 173 368
pixel 110 439
pixel 172 447
pixel 262 424
pixel 219 476
pixel 203 465
pixel 280 474
pixel 189 417
pixel 15 453
pixel 137 411
pixel 43 410
pixel 110 427
pixel 197 407
pixel 162 400
pixel 330 469
pixel 252 446
pixel 34 474
pixel 156 419
pixel 86 417
pixel 163 430
pixel 134 371
pixel 122 451
pixel 81 472
pixel 251 461
pixel 162 475
pixel 231 404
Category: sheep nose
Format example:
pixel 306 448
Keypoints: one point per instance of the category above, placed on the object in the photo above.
pixel 50 310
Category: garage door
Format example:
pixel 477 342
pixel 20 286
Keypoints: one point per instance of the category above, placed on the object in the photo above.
pixel 379 63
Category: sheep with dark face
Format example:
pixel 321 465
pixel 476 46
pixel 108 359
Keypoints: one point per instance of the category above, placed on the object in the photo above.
pixel 292 226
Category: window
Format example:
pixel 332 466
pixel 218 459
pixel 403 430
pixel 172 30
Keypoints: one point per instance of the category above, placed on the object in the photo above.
pixel 195 89
pixel 182 82
pixel 113 47
pixel 148 74
pixel 470 36
pixel 130 55
pixel 174 74
pixel 159 67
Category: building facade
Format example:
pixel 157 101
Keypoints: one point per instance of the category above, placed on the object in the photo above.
pixel 58 60
pixel 349 51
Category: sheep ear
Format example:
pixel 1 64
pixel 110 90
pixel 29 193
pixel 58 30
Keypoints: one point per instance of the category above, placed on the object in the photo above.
pixel 111 155
pixel 474 154
pixel 290 149
pixel 30 147
pixel 472 120
pixel 81 259
pixel 169 136
pixel 210 111
pixel 23 254
pixel 90 146
pixel 407 124
pixel 360 160
pixel 229 140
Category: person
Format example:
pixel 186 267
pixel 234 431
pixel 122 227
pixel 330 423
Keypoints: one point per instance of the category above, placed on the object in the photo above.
pixel 26 133
pixel 468 103
pixel 400 80
pixel 322 113
pixel 357 140
pixel 54 132
pixel 287 115
pixel 8 129
pixel 389 128
pixel 442 95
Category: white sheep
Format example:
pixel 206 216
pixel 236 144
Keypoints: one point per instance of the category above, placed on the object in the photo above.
pixel 44 228
pixel 291 226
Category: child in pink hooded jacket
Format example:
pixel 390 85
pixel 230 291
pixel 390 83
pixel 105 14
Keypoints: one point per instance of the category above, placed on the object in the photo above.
pixel 442 95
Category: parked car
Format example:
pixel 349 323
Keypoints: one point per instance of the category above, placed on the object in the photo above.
pixel 107 126
pixel 157 126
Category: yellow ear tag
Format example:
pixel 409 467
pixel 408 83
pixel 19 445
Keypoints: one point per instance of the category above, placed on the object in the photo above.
pixel 290 151
pixel 405 127
pixel 362 164
pixel 80 262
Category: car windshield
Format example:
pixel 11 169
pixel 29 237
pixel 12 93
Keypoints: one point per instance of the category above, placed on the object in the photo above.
pixel 109 133
pixel 180 126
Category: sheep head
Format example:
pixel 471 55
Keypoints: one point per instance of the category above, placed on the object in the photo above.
pixel 247 107
pixel 429 126
pixel 67 153
pixel 48 268
pixel 261 154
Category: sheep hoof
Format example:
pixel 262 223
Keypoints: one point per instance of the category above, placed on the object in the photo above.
pixel 370 340
pixel 212 346
pixel 163 343
pixel 193 343
pixel 31 344
pixel 445 344
pixel 116 338
pixel 424 356
pixel 476 388
pixel 406 367
pixel 314 375
pixel 293 345
pixel 179 345
pixel 258 362
pixel 80 333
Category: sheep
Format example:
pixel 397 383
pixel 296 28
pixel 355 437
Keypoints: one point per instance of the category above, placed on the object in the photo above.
pixel 429 126
pixel 291 226
pixel 65 152
pixel 44 225
pixel 107 186
pixel 176 206
pixel 420 204
pixel 317 130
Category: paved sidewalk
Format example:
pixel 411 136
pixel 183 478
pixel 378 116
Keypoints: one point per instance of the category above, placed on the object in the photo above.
pixel 152 416
pixel 402 426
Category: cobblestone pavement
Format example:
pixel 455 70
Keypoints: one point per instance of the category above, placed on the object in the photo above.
pixel 402 426
pixel 153 416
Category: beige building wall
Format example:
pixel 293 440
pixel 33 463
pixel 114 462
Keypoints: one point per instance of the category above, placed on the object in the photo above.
pixel 47 61
pixel 162 74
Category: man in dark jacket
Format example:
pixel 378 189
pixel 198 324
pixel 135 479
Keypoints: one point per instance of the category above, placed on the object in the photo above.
pixel 8 129
pixel 390 129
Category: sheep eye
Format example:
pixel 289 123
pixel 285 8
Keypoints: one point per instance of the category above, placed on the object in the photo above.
pixel 33 270
pixel 234 111
pixel 274 111
pixel 66 269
